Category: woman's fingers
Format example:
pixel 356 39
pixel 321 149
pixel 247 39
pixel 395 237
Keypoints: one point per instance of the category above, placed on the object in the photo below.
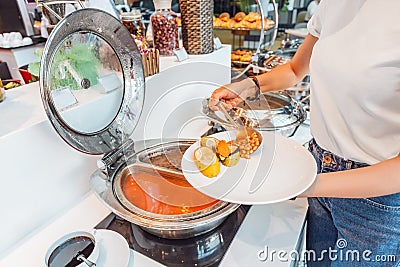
pixel 222 93
pixel 234 102
pixel 212 103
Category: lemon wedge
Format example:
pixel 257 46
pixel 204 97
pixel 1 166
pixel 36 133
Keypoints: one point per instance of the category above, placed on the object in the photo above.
pixel 206 161
pixel 210 142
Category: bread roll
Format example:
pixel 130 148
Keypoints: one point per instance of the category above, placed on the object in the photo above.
pixel 224 16
pixel 235 57
pixel 239 16
pixel 245 58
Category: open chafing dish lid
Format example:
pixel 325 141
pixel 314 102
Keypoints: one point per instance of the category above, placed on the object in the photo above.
pixel 92 81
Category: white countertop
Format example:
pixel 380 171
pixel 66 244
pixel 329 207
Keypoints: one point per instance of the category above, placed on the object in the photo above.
pixel 277 226
pixel 20 110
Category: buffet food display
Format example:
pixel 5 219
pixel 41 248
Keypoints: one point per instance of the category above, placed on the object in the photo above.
pixel 241 56
pixel 241 21
pixel 266 61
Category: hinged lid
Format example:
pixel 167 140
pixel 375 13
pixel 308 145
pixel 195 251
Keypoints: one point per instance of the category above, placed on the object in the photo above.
pixel 92 81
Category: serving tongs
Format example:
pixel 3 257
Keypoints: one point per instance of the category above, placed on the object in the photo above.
pixel 240 128
pixel 242 131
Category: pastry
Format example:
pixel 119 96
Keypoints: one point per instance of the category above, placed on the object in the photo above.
pixel 224 16
pixel 252 17
pixel 218 22
pixel 239 16
pixel 245 58
pixel 235 57
pixel 245 24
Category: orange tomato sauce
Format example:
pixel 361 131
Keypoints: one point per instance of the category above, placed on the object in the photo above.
pixel 141 195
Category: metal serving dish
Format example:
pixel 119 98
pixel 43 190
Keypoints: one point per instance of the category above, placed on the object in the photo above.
pixel 92 87
pixel 272 112
pixel 300 92
pixel 171 226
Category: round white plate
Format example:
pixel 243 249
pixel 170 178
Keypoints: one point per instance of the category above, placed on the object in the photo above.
pixel 114 249
pixel 281 169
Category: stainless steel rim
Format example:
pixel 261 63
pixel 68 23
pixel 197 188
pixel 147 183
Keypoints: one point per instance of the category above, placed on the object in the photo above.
pixel 103 188
pixel 300 115
pixel 118 37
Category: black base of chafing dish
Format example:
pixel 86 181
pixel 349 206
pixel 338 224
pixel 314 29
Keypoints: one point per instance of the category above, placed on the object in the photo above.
pixel 204 250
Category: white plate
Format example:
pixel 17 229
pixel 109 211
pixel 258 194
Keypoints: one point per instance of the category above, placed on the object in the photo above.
pixel 284 169
pixel 114 249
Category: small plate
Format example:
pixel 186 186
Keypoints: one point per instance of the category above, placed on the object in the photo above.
pixel 114 249
pixel 282 168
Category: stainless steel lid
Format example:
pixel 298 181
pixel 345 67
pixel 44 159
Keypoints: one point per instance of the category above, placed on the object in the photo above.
pixel 92 81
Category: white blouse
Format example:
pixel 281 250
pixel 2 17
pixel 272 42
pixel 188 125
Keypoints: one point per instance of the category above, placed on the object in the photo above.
pixel 355 78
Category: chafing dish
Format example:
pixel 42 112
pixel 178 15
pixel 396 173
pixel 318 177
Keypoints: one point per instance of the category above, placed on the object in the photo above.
pixel 274 111
pixel 192 221
pixel 92 87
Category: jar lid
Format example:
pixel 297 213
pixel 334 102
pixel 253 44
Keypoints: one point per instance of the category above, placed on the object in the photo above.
pixel 92 81
pixel 162 4
pixel 135 14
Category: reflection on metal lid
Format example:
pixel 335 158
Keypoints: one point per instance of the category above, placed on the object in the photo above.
pixel 92 81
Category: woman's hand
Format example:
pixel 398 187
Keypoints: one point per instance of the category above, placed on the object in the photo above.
pixel 232 94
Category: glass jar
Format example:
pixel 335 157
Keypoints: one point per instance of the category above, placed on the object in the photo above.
pixel 133 22
pixel 165 28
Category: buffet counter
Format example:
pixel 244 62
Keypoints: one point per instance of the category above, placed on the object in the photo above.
pixel 277 227
pixel 46 194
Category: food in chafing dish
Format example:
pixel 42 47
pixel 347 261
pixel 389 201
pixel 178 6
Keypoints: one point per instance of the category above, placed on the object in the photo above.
pixel 154 192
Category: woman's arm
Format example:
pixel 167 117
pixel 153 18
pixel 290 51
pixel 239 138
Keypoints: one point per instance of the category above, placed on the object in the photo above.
pixel 279 78
pixel 289 74
pixel 376 180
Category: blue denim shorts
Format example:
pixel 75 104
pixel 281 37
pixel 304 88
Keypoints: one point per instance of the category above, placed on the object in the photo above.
pixel 351 232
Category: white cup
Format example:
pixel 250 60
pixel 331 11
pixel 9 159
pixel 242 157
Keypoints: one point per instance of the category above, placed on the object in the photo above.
pixel 63 241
